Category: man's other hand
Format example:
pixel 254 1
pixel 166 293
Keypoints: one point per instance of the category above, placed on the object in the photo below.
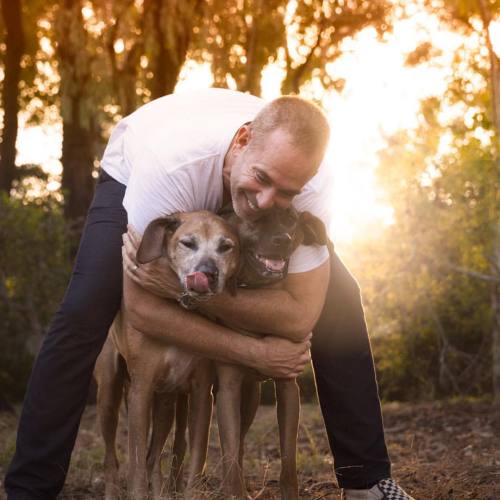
pixel 156 276
pixel 281 358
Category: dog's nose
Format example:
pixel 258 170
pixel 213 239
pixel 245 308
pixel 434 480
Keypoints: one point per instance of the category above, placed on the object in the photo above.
pixel 209 268
pixel 281 240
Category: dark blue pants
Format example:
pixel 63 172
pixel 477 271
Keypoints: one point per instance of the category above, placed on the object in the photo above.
pixel 59 383
pixel 347 388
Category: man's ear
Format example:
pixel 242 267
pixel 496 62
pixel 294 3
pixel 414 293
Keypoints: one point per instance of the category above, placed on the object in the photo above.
pixel 242 136
pixel 152 244
pixel 313 229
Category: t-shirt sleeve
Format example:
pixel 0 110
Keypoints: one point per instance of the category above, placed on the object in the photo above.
pixel 308 257
pixel 152 190
pixel 112 160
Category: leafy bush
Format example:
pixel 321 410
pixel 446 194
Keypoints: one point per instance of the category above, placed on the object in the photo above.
pixel 34 269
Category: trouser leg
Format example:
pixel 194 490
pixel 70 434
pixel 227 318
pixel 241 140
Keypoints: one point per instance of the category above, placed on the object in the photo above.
pixel 347 388
pixel 60 378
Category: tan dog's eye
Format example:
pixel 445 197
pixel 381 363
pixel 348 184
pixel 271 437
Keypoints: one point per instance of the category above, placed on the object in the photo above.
pixel 225 246
pixel 191 244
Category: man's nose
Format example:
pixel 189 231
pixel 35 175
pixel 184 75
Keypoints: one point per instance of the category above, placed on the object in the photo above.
pixel 266 198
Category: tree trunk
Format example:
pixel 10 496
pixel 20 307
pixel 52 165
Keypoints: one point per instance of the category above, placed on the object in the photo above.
pixel 495 304
pixel 294 76
pixel 495 261
pixel 165 68
pixel 254 64
pixel 77 115
pixel 77 160
pixel 486 18
pixel 14 41
pixel 170 26
pixel 124 74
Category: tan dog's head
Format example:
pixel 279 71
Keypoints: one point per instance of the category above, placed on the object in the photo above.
pixel 202 249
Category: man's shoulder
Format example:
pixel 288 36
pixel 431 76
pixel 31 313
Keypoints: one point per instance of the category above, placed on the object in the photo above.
pixel 197 101
pixel 194 122
pixel 316 195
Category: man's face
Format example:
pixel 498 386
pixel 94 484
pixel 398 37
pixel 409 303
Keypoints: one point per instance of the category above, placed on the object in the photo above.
pixel 269 176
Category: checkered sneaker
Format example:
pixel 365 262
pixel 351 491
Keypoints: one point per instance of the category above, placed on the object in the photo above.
pixel 392 491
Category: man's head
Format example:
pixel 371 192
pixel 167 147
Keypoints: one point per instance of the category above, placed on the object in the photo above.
pixel 274 156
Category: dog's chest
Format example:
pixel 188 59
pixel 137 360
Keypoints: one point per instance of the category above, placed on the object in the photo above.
pixel 177 368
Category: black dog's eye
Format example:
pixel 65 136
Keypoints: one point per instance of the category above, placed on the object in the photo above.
pixel 191 244
pixel 288 219
pixel 225 247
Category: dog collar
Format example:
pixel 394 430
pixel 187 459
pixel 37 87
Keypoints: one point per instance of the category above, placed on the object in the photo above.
pixel 187 301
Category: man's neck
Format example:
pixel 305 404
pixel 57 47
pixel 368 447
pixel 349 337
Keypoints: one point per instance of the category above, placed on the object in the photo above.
pixel 226 196
pixel 226 174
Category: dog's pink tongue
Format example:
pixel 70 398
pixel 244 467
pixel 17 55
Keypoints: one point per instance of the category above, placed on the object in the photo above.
pixel 275 264
pixel 198 282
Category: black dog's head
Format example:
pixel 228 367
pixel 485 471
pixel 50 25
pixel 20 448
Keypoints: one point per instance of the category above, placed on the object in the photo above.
pixel 267 243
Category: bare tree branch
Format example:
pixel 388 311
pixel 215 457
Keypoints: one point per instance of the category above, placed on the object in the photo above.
pixel 474 274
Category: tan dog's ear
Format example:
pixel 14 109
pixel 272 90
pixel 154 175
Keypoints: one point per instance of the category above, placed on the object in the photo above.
pixel 313 228
pixel 152 243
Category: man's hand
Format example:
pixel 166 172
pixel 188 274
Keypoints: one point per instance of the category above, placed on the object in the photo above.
pixel 156 277
pixel 281 358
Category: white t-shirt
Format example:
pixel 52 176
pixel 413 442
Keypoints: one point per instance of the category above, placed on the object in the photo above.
pixel 170 153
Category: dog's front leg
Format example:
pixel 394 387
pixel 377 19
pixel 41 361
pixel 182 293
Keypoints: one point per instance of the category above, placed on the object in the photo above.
pixel 200 416
pixel 230 378
pixel 163 417
pixel 139 414
pixel 249 405
pixel 288 408
pixel 179 448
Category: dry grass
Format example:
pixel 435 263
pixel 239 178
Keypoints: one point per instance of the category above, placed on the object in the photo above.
pixel 439 450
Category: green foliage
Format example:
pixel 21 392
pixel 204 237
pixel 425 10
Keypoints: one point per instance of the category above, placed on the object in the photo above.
pixel 317 29
pixel 426 281
pixel 239 39
pixel 34 269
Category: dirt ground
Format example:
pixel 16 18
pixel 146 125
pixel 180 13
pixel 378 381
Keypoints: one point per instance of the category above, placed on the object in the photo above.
pixel 440 451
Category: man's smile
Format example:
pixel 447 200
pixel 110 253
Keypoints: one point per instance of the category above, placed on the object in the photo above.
pixel 253 205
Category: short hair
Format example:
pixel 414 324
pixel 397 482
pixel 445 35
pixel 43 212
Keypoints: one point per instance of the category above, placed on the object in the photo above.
pixel 303 120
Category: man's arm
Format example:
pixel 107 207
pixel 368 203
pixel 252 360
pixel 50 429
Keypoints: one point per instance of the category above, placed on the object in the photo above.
pixel 290 312
pixel 166 321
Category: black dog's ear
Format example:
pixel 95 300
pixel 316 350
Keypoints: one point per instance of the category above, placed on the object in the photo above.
pixel 313 228
pixel 152 243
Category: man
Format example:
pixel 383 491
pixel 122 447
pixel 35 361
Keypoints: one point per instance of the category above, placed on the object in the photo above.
pixel 191 152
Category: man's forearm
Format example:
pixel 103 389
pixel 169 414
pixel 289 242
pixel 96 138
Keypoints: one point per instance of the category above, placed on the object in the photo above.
pixel 264 310
pixel 166 321
pixel 290 312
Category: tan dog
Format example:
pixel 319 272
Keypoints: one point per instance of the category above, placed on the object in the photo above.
pixel 266 246
pixel 203 251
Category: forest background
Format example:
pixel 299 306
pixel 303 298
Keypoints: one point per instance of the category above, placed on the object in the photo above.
pixel 430 275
